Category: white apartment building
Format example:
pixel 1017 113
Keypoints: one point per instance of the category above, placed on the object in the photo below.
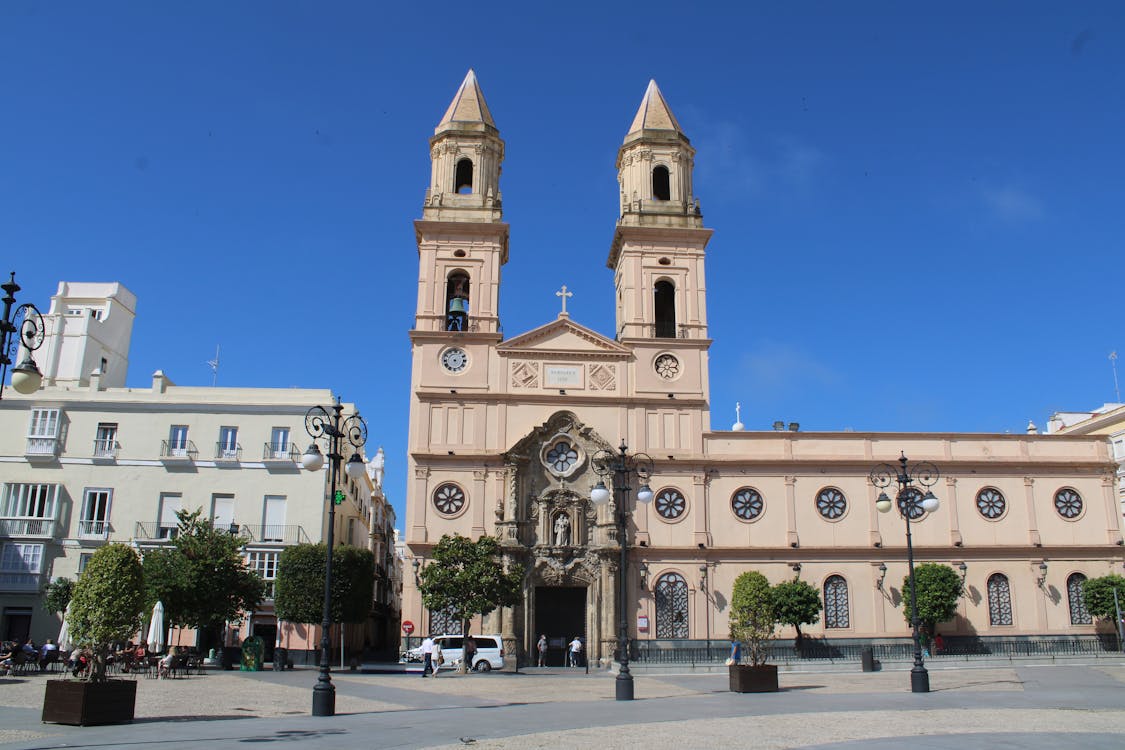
pixel 85 461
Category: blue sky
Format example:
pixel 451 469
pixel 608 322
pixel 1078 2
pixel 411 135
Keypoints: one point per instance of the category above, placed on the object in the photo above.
pixel 917 210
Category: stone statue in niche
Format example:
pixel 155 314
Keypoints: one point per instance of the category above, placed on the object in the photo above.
pixel 562 530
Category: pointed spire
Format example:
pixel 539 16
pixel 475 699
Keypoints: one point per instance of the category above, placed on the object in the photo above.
pixel 654 113
pixel 468 104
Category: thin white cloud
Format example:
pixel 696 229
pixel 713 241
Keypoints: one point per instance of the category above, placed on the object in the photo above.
pixel 798 162
pixel 776 368
pixel 1012 204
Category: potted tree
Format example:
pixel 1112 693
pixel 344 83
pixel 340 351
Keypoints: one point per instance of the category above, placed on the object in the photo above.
pixel 753 618
pixel 797 603
pixel 106 608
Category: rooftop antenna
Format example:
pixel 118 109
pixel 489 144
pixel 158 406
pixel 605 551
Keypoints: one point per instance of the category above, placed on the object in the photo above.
pixel 214 365
pixel 1113 364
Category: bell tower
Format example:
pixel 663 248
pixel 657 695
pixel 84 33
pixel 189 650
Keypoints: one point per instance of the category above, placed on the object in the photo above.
pixel 657 260
pixel 657 251
pixel 462 238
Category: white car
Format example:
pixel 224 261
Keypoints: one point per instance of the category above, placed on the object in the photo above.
pixel 489 656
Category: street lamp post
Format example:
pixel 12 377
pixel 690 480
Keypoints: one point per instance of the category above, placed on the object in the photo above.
pixel 621 466
pixel 28 323
pixel 912 504
pixel 319 423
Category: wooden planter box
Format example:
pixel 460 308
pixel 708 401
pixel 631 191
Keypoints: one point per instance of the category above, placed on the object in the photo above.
pixel 748 679
pixel 82 703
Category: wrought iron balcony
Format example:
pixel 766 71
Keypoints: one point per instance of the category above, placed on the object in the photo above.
pixel 669 331
pixel 93 529
pixel 276 534
pixel 27 527
pixel 280 452
pixel 106 449
pixel 225 452
pixel 155 532
pixel 178 451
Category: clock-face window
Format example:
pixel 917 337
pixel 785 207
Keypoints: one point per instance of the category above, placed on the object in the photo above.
pixel 454 360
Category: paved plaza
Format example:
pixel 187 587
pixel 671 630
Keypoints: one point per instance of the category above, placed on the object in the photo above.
pixel 1076 705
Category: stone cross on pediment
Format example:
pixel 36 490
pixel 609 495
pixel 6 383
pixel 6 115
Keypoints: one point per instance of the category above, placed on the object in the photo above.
pixel 564 294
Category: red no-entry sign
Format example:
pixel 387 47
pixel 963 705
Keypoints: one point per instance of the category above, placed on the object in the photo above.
pixel 408 627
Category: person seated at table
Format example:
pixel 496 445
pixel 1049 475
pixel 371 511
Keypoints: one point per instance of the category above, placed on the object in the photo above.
pixel 29 648
pixel 166 663
pixel 79 661
pixel 45 655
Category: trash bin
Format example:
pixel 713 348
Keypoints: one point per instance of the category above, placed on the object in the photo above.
pixel 867 658
pixel 280 659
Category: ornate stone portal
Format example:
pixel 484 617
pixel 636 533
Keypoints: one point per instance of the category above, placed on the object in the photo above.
pixel 553 531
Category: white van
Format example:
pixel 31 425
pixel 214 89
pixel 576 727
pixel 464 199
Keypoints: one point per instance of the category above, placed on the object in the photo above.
pixel 489 656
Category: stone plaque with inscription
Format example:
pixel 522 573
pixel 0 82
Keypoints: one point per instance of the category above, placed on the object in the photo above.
pixel 563 376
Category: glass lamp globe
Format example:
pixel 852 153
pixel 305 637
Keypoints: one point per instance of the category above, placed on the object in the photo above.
pixel 600 494
pixel 313 459
pixel 26 377
pixel 355 468
pixel 883 503
pixel 644 493
pixel 930 502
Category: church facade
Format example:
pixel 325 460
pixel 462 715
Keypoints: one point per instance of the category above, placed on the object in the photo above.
pixel 503 433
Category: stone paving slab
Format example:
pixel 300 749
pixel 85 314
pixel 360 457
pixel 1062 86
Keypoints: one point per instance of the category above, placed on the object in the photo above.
pixel 984 708
pixel 789 731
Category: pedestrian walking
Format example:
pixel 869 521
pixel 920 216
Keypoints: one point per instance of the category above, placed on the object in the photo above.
pixel 427 655
pixel 469 651
pixel 437 657
pixel 542 646
pixel 575 651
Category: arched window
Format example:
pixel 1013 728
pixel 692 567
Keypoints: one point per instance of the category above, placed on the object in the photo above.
pixel 1079 615
pixel 457 302
pixel 999 600
pixel 661 184
pixel 463 179
pixel 836 603
pixel 442 622
pixel 664 303
pixel 671 606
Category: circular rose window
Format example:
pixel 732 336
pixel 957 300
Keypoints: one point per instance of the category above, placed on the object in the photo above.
pixel 910 504
pixel 449 499
pixel 991 503
pixel 667 366
pixel 747 503
pixel 670 504
pixel 561 456
pixel 831 503
pixel 1068 503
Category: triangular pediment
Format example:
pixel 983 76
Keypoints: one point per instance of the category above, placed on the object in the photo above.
pixel 563 337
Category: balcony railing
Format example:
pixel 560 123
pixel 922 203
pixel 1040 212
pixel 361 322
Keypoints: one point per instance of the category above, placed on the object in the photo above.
pixel 226 452
pixel 93 529
pixel 280 452
pixel 276 534
pixel 11 581
pixel 44 447
pixel 178 451
pixel 669 331
pixel 27 526
pixel 106 448
pixel 155 532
